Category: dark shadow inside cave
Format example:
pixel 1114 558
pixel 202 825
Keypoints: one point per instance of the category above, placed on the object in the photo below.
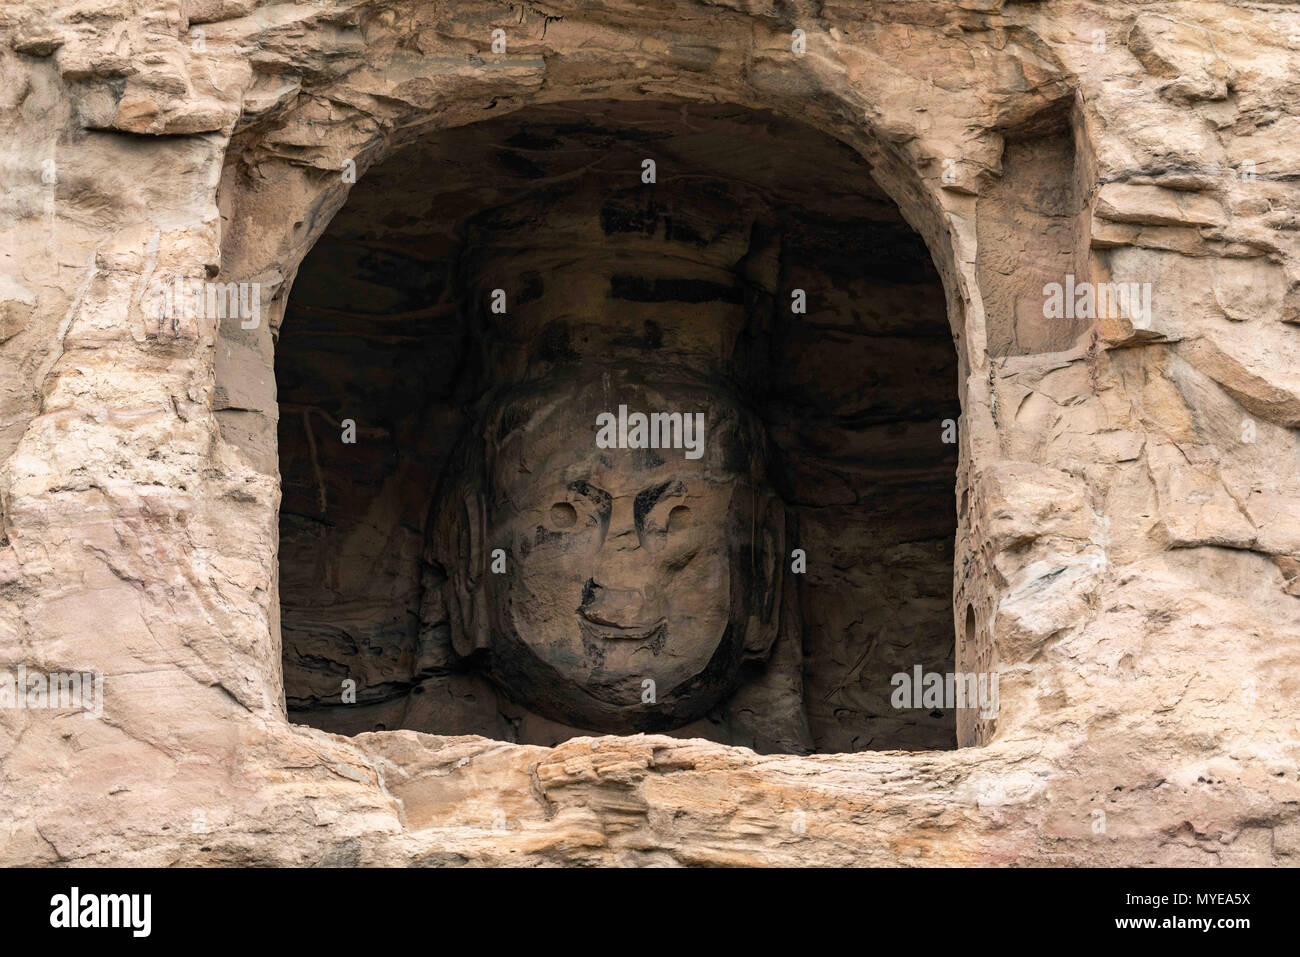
pixel 390 339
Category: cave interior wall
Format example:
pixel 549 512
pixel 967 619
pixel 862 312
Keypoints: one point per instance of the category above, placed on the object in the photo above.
pixel 390 314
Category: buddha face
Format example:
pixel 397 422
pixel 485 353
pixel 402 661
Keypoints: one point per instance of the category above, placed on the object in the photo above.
pixel 629 573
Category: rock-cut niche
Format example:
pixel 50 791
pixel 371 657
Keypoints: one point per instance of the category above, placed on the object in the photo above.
pixel 479 535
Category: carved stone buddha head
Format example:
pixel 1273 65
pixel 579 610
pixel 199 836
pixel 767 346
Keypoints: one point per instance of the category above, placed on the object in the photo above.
pixel 612 547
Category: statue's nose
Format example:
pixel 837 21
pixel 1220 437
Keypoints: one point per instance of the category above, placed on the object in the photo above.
pixel 621 535
pixel 620 563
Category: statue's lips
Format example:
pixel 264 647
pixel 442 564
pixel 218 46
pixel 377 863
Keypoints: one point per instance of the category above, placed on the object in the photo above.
pixel 599 627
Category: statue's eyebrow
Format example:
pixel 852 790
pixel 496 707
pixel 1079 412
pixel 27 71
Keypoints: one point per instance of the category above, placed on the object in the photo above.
pixel 646 499
pixel 599 497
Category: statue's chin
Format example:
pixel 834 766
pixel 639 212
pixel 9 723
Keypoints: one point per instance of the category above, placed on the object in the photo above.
pixel 581 697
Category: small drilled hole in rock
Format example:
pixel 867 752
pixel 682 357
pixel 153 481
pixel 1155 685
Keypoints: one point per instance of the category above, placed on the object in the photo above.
pixel 679 518
pixel 563 515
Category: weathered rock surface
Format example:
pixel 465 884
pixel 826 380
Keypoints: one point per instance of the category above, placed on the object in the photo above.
pixel 1127 547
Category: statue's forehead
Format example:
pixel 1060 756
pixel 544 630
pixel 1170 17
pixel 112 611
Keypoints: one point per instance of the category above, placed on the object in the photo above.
pixel 576 406
pixel 614 471
pixel 556 433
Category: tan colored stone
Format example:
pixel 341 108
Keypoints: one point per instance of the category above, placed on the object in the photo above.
pixel 1125 555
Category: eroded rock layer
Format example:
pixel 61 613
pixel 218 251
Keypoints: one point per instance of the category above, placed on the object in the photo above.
pixel 1128 513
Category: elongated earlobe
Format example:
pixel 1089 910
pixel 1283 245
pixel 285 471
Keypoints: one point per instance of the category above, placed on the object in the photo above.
pixel 458 542
pixel 767 575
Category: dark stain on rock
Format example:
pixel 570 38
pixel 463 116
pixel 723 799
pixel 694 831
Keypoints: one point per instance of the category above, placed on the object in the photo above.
pixel 640 289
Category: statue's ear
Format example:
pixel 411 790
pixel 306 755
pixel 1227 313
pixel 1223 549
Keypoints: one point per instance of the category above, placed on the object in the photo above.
pixel 767 575
pixel 459 538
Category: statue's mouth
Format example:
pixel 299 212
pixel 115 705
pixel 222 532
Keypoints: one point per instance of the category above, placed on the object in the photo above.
pixel 598 627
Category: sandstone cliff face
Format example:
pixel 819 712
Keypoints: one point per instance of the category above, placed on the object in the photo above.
pixel 1127 503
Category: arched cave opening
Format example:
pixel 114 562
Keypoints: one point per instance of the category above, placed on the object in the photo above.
pixel 450 560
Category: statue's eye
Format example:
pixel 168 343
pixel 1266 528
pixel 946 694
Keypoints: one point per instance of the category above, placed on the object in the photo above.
pixel 679 518
pixel 563 515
